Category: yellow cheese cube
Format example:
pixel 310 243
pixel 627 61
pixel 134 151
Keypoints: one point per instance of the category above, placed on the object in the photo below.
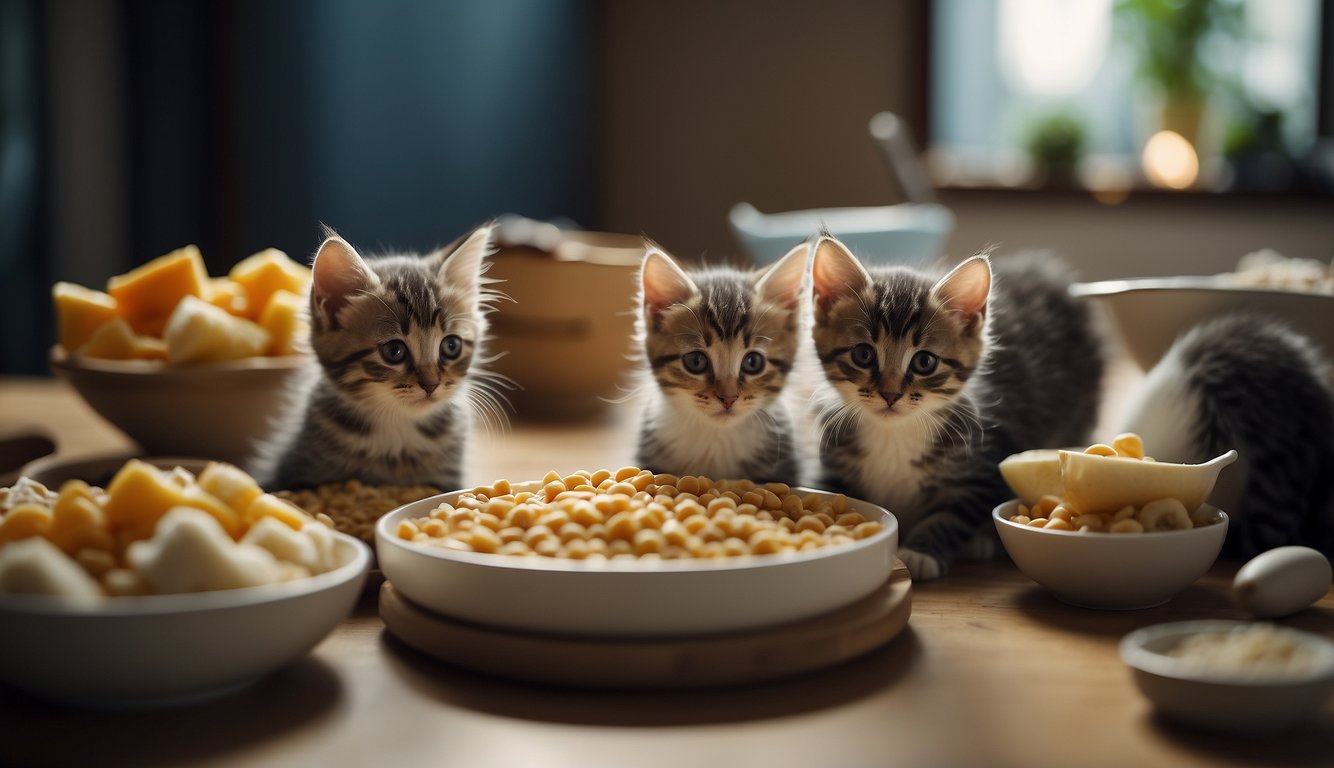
pixel 285 321
pixel 201 332
pixel 228 294
pixel 148 294
pixel 79 312
pixel 269 505
pixel 228 518
pixel 25 521
pixel 230 485
pixel 140 494
pixel 266 273
pixel 116 340
pixel 77 522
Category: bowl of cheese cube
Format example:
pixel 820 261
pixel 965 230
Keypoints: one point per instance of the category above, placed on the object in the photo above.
pixel 166 585
pixel 183 363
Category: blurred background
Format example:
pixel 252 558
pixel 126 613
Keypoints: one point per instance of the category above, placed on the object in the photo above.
pixel 1134 137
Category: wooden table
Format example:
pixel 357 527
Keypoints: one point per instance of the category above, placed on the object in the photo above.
pixel 991 671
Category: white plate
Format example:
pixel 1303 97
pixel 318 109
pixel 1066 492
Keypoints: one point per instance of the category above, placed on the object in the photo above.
pixel 163 649
pixel 630 597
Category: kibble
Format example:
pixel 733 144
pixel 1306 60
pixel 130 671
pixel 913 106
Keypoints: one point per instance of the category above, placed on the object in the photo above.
pixel 631 513
pixel 353 507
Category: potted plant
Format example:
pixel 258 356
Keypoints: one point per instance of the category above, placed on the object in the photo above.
pixel 1169 38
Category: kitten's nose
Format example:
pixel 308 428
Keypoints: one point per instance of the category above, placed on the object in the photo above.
pixel 428 386
pixel 727 401
pixel 891 397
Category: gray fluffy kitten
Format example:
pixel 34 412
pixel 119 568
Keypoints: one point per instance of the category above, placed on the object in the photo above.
pixel 398 339
pixel 931 382
pixel 719 344
pixel 1253 384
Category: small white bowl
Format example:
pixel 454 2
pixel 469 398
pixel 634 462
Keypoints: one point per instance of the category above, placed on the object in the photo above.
pixel 1228 702
pixel 161 650
pixel 632 597
pixel 906 233
pixel 219 410
pixel 1116 571
pixel 53 471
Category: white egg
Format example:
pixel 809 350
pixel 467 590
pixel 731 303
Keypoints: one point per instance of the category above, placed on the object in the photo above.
pixel 1281 581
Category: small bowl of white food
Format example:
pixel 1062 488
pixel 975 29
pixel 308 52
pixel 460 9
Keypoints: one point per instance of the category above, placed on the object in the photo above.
pixel 1231 676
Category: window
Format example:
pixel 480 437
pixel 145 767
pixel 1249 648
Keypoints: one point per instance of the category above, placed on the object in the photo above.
pixel 1115 94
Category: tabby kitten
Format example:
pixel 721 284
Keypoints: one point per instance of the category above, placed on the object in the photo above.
pixel 719 343
pixel 396 339
pixel 1250 383
pixel 930 383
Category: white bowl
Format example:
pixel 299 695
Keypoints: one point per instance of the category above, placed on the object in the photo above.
pixel 1150 313
pixel 907 233
pixel 1117 571
pixel 218 410
pixel 53 471
pixel 159 650
pixel 629 597
pixel 1221 701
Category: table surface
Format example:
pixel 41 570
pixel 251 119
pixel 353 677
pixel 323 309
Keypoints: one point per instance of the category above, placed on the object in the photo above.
pixel 991 671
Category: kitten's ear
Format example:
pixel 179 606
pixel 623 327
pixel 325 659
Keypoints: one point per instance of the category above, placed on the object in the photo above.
pixel 461 269
pixel 965 289
pixel 782 282
pixel 835 272
pixel 665 283
pixel 337 275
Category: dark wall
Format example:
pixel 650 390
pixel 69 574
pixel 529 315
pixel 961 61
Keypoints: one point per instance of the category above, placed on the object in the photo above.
pixel 248 124
pixel 22 271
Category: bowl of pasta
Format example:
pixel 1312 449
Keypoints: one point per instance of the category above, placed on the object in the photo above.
pixel 1108 526
pixel 1116 571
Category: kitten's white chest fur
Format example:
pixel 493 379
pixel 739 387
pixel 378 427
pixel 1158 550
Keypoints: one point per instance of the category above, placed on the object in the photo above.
pixel 708 445
pixel 888 469
pixel 394 431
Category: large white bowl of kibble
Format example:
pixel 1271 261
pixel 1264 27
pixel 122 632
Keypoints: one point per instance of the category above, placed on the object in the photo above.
pixel 566 589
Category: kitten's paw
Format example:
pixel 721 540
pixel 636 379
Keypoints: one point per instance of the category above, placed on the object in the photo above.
pixel 921 567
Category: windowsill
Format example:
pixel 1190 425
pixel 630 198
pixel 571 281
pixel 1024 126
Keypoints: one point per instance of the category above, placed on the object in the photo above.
pixel 1112 180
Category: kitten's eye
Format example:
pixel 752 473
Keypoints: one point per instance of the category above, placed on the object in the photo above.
pixel 923 363
pixel 752 363
pixel 695 362
pixel 451 347
pixel 394 351
pixel 863 355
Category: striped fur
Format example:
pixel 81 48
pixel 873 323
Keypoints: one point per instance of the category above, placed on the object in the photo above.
pixel 1003 367
pixel 1253 384
pixel 398 340
pixel 721 420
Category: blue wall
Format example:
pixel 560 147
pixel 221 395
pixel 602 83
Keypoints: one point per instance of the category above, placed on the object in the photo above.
pixel 404 123
pixel 249 123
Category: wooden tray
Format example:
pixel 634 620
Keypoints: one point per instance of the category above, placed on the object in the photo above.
pixel 638 663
